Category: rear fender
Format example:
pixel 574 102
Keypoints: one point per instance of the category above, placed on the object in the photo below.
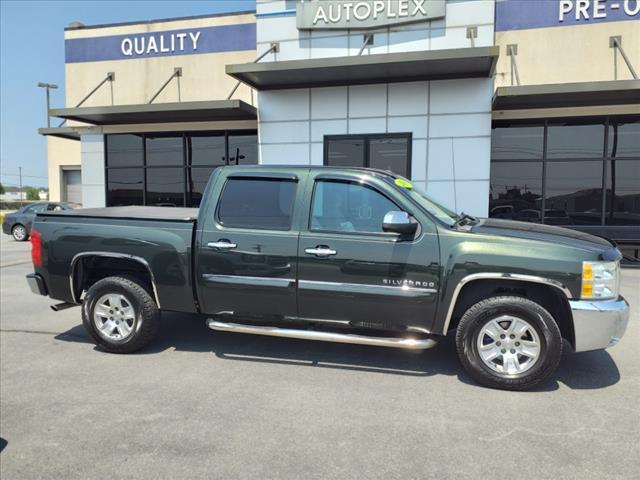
pixel 74 271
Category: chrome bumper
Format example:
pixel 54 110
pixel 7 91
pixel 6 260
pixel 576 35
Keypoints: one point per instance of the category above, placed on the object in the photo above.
pixel 598 324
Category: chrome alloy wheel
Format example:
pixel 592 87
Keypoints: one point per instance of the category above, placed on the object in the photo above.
pixel 509 345
pixel 19 233
pixel 114 317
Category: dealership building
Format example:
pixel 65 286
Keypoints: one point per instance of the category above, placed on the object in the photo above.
pixel 526 110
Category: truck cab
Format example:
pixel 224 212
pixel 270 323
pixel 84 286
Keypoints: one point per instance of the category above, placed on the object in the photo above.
pixel 312 245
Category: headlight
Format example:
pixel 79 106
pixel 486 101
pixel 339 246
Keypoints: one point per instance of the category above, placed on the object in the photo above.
pixel 600 280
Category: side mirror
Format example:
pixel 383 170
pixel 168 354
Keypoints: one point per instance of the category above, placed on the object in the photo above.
pixel 396 221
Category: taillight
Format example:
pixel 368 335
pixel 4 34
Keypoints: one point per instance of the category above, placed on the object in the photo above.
pixel 36 247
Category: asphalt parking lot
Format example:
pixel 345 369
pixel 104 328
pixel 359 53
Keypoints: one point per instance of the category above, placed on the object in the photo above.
pixel 204 404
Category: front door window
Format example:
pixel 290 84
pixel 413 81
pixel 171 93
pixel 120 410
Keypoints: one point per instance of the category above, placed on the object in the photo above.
pixel 348 207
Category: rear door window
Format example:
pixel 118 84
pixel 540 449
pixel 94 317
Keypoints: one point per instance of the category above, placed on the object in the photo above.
pixel 258 203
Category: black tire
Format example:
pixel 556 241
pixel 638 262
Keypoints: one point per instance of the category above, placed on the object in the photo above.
pixel 147 316
pixel 483 312
pixel 19 233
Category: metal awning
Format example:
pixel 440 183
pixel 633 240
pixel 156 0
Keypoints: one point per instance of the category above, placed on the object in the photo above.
pixel 367 69
pixel 215 110
pixel 583 94
pixel 68 133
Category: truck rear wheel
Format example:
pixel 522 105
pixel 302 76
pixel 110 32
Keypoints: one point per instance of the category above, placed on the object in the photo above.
pixel 510 343
pixel 120 315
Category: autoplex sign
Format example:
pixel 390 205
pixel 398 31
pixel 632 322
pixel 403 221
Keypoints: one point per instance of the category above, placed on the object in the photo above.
pixel 339 14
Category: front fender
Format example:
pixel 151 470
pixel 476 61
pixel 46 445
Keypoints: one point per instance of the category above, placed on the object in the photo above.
pixel 504 259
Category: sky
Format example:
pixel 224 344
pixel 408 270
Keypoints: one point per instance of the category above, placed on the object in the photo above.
pixel 32 51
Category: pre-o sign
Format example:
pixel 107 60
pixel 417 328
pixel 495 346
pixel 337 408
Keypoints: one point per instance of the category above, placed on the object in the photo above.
pixel 339 14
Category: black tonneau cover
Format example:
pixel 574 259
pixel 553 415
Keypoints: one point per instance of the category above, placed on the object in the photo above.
pixel 178 214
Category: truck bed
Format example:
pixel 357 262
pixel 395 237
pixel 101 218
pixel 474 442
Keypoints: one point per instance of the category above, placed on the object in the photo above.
pixel 160 238
pixel 131 213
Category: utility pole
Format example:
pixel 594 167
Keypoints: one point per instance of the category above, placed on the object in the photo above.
pixel 20 170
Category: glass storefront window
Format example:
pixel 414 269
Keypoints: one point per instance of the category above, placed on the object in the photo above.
pixel 623 192
pixel 125 186
pixel 164 151
pixel 197 178
pixel 517 142
pixel 207 150
pixel 176 167
pixel 243 149
pixel 124 150
pixel 383 151
pixel 345 152
pixel 165 187
pixel 571 175
pixel 574 193
pixel 624 139
pixel 575 141
pixel 516 191
pixel 390 154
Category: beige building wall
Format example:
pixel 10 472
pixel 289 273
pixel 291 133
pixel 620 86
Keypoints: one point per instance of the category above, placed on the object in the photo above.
pixel 138 79
pixel 578 53
pixel 62 154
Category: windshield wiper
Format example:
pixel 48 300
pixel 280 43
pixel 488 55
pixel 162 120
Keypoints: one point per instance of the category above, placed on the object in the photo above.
pixel 465 219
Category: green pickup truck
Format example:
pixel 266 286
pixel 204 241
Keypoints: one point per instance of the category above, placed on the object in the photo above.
pixel 345 255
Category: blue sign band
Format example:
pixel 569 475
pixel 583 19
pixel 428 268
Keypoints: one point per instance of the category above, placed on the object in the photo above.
pixel 524 14
pixel 190 41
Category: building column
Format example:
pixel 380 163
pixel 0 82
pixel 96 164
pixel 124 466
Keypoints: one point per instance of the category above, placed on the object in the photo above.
pixel 93 172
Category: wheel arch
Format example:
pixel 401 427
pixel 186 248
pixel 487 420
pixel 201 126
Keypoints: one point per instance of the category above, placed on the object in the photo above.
pixel 88 267
pixel 552 295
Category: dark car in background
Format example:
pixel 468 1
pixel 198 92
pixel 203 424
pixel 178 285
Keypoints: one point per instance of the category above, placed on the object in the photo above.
pixel 551 216
pixel 18 224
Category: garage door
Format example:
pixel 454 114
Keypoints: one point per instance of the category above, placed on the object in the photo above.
pixel 72 189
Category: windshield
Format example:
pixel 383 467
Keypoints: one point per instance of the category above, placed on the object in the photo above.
pixel 441 213
pixel 425 201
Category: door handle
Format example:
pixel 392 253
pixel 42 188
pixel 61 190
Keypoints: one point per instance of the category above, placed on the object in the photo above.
pixel 320 251
pixel 222 245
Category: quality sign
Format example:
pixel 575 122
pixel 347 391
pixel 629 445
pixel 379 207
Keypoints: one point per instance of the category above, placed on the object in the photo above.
pixel 339 14
pixel 160 43
pixel 213 39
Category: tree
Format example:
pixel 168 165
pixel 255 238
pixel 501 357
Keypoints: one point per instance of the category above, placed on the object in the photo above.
pixel 32 193
pixel 2 190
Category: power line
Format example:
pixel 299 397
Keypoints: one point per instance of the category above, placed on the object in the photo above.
pixel 17 186
pixel 23 176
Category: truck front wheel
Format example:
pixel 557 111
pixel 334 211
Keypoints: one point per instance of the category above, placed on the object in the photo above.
pixel 510 343
pixel 120 315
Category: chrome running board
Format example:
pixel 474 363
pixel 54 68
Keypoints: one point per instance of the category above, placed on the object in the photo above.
pixel 407 343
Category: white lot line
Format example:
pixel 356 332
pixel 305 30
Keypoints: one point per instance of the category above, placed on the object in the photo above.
pixel 3 265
